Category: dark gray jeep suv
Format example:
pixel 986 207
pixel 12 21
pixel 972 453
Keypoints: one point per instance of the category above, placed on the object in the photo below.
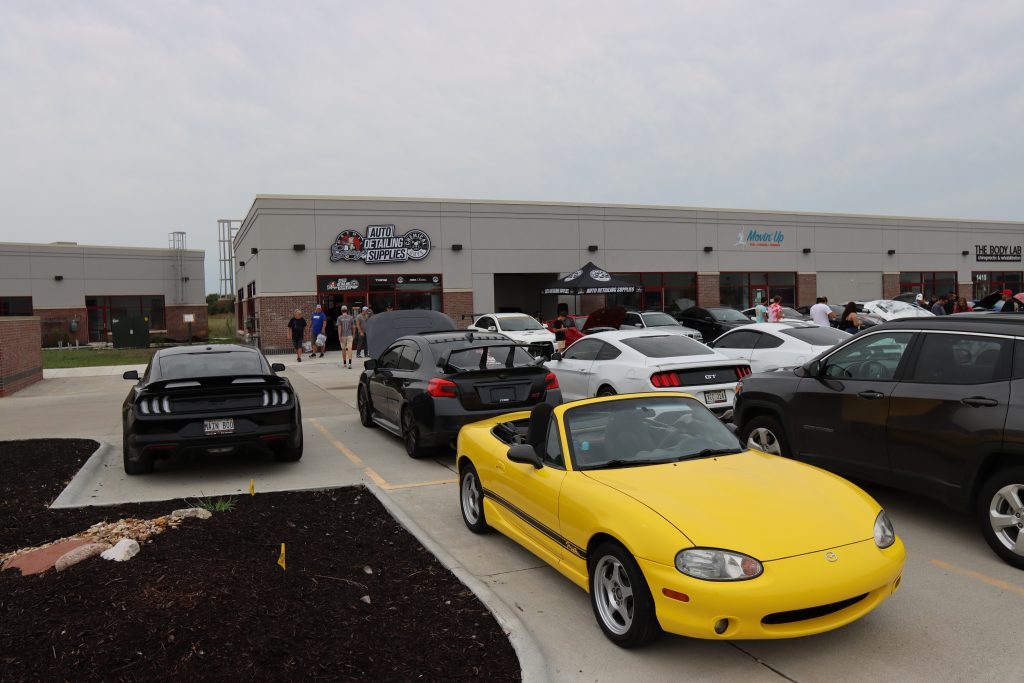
pixel 929 405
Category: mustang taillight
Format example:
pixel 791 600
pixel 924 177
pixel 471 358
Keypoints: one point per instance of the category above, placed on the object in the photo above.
pixel 742 371
pixel 275 397
pixel 154 405
pixel 441 388
pixel 551 381
pixel 665 379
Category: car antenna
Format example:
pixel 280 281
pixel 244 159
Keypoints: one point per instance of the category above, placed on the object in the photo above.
pixel 469 336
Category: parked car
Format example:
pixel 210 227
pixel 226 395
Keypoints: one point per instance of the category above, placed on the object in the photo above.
pixel 630 361
pixel 712 322
pixel 425 379
pixel 659 321
pixel 931 405
pixel 520 328
pixel 894 310
pixel 652 506
pixel 209 399
pixel 768 346
pixel 866 319
pixel 787 314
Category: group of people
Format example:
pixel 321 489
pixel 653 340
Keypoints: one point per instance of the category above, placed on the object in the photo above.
pixel 351 331
pixel 765 312
pixel 944 304
pixel 822 314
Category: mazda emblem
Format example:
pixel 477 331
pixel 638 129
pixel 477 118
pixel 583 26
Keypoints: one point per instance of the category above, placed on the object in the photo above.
pixel 831 556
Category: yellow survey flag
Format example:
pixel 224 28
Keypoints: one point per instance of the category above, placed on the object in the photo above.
pixel 280 560
pixel 252 487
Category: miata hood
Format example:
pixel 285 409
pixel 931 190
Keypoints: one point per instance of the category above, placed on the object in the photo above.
pixel 765 506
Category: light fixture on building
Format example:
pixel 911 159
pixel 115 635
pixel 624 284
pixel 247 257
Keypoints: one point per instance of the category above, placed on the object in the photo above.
pixel 708 250
pixel 456 247
pixel 892 252
pixel 58 278
pixel 592 248
pixel 807 250
pixel 186 278
pixel 254 250
pixel 241 264
pixel 964 252
pixel 299 247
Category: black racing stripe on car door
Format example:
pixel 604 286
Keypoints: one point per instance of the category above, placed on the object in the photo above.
pixel 547 531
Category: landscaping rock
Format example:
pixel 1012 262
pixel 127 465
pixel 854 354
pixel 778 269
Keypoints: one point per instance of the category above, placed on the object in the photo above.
pixel 39 560
pixel 82 552
pixel 123 550
pixel 198 513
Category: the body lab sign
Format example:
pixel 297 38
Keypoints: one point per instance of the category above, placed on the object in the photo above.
pixel 996 252
pixel 759 238
pixel 380 244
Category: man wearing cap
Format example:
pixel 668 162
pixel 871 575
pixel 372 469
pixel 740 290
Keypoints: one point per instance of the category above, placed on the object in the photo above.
pixel 1010 303
pixel 920 302
pixel 346 329
pixel 361 345
pixel 319 320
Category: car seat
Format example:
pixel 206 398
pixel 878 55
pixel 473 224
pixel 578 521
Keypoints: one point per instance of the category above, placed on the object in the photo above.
pixel 537 433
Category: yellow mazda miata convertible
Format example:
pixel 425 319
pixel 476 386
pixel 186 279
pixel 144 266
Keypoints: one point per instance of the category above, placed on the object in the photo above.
pixel 649 502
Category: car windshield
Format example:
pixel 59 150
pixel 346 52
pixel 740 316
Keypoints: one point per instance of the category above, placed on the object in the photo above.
pixel 644 431
pixel 817 336
pixel 210 364
pixel 660 320
pixel 788 312
pixel 728 315
pixel 488 358
pixel 667 346
pixel 519 323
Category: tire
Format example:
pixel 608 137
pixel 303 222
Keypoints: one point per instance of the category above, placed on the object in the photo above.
pixel 471 500
pixel 365 408
pixel 764 433
pixel 605 390
pixel 411 436
pixel 135 463
pixel 1001 514
pixel 290 452
pixel 621 600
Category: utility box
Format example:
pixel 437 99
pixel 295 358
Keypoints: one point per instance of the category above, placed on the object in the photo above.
pixel 130 332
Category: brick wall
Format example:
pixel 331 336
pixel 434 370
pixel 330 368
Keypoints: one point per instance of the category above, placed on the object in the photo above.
pixel 965 289
pixel 21 356
pixel 56 322
pixel 178 330
pixel 274 312
pixel 457 304
pixel 807 289
pixel 890 285
pixel 708 292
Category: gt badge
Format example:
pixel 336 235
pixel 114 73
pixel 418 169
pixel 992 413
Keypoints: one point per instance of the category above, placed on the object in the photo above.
pixel 831 556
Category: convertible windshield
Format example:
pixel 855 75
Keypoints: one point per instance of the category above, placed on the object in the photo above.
pixel 519 324
pixel 660 320
pixel 729 315
pixel 644 431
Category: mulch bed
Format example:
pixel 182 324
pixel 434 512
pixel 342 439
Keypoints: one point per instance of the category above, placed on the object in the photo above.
pixel 209 600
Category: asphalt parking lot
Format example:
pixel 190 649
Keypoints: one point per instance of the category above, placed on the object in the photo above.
pixel 955 617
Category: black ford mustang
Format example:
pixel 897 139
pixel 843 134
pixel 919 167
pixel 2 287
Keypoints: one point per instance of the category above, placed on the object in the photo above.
pixel 212 399
pixel 425 379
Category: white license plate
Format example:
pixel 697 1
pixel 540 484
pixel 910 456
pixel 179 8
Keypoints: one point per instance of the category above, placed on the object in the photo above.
pixel 714 397
pixel 225 426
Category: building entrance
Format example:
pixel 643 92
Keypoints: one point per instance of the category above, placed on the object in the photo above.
pixel 379 292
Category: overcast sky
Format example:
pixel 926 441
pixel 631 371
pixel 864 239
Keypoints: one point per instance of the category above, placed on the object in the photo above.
pixel 123 121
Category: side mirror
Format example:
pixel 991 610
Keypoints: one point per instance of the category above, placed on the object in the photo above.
pixel 556 356
pixel 131 374
pixel 523 453
pixel 370 364
pixel 277 367
pixel 811 369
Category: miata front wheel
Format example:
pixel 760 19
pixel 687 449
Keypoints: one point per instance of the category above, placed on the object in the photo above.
pixel 620 597
pixel 471 499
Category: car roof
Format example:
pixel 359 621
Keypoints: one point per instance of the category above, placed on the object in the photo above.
pixel 501 316
pixel 996 323
pixel 198 348
pixel 630 334
pixel 770 327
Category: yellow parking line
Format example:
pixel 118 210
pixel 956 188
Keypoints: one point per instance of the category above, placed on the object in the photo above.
pixel 392 487
pixel 356 460
pixel 998 583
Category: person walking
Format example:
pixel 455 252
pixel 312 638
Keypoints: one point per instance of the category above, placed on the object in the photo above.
pixel 346 325
pixel 821 313
pixel 319 319
pixel 850 321
pixel 775 310
pixel 297 325
pixel 761 310
pixel 939 307
pixel 361 345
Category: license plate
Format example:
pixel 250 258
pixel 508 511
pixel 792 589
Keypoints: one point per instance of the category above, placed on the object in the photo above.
pixel 714 397
pixel 225 426
pixel 503 395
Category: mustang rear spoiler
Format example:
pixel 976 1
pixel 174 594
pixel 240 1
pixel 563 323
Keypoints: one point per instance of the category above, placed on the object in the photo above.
pixel 444 362
pixel 216 381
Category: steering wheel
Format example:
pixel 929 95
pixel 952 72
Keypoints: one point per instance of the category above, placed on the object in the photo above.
pixel 873 370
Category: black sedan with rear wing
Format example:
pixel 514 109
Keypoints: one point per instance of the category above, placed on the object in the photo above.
pixel 209 399
pixel 425 379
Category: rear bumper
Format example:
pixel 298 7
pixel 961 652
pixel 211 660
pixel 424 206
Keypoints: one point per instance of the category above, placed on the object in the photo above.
pixel 700 393
pixel 441 419
pixel 173 432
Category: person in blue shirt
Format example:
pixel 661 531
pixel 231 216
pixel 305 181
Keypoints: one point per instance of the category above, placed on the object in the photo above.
pixel 319 321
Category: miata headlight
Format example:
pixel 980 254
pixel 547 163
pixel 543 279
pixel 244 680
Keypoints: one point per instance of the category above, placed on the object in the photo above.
pixel 884 534
pixel 712 564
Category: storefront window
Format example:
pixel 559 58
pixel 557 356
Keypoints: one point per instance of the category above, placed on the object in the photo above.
pixel 987 282
pixel 743 290
pixel 669 292
pixel 931 284
pixel 15 305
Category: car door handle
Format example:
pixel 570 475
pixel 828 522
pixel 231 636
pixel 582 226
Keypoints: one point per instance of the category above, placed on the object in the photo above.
pixel 979 401
pixel 871 395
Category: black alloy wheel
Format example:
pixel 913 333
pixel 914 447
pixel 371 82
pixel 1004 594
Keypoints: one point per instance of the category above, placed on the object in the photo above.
pixel 411 435
pixel 365 407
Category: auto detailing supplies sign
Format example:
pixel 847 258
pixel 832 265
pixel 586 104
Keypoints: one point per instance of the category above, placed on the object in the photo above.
pixel 341 284
pixel 380 244
pixel 997 252
pixel 760 238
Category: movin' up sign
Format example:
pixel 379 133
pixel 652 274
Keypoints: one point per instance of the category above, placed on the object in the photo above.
pixel 760 238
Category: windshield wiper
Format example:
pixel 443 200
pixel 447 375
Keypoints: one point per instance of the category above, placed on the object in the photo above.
pixel 613 464
pixel 711 452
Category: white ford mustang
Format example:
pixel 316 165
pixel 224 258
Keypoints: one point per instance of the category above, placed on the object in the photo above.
pixel 767 346
pixel 631 361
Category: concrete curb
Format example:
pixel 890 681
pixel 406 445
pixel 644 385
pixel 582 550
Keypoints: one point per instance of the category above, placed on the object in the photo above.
pixel 531 661
pixel 83 478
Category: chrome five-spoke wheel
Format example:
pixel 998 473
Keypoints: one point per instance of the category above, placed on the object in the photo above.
pixel 613 595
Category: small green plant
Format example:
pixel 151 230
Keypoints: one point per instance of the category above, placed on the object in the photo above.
pixel 221 504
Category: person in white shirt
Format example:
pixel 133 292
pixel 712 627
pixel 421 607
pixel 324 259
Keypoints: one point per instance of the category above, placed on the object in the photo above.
pixel 821 312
